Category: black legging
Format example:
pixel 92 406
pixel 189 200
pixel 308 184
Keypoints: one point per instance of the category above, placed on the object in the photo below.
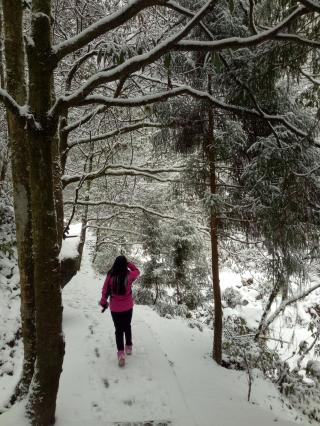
pixel 122 324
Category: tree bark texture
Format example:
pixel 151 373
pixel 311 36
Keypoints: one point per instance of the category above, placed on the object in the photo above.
pixel 45 223
pixel 16 86
pixel 4 154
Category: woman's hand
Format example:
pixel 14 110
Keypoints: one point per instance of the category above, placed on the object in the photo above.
pixel 104 306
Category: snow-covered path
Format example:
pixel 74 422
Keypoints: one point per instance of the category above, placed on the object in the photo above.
pixel 169 380
pixel 93 390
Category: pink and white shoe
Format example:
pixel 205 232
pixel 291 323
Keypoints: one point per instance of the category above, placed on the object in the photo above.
pixel 128 349
pixel 121 358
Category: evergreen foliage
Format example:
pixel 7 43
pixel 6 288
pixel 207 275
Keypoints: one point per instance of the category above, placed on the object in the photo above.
pixel 176 259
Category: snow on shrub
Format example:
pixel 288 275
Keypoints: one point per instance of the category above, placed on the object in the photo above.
pixel 192 298
pixel 169 310
pixel 143 296
pixel 165 309
pixel 232 297
pixel 313 369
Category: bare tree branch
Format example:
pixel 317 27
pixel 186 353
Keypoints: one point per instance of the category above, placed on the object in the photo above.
pixel 286 303
pixel 67 227
pixel 122 205
pixel 119 170
pixel 84 119
pixel 251 17
pixel 76 66
pixel 310 78
pixel 118 132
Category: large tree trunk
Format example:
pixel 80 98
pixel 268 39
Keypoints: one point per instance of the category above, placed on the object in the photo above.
pixel 46 235
pixel 211 156
pixel 16 86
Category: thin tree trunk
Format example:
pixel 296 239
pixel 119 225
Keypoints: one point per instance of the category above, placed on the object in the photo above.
pixel 58 194
pixel 46 235
pixel 2 79
pixel 4 157
pixel 285 286
pixel 211 156
pixel 84 217
pixel 96 245
pixel 217 340
pixel 266 311
pixel 63 144
pixel 16 86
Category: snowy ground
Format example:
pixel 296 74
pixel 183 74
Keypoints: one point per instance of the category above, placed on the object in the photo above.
pixel 169 379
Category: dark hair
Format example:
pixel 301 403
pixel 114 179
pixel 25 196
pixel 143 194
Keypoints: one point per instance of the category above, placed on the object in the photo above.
pixel 119 274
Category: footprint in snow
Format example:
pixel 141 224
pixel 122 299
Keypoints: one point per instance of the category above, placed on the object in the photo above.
pixel 129 402
pixel 106 383
pixel 95 406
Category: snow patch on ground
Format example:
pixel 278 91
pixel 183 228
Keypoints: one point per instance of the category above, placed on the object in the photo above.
pixel 69 248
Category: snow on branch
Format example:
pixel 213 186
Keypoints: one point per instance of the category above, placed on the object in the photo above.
pixel 119 170
pixel 186 90
pixel 21 112
pixel 311 4
pixel 104 25
pixel 10 103
pixel 239 42
pixel 84 119
pixel 116 132
pixel 128 67
pixel 123 206
pixel 178 8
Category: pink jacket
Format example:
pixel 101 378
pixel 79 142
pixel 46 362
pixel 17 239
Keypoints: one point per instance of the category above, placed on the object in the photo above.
pixel 120 303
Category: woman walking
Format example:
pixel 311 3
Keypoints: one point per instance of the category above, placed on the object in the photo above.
pixel 118 285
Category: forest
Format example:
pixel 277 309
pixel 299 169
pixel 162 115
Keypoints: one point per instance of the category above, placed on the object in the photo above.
pixel 185 135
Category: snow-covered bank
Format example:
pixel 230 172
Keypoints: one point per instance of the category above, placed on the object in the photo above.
pixel 10 343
